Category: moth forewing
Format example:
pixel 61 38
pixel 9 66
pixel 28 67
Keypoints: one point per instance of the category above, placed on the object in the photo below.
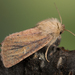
pixel 16 48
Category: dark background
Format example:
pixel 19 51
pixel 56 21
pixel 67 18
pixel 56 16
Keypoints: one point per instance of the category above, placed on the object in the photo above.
pixel 18 15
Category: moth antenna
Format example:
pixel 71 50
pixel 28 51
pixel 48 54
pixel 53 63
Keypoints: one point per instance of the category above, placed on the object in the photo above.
pixel 58 13
pixel 47 52
pixel 70 32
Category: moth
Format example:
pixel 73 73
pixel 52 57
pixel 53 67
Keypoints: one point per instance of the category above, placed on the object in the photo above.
pixel 20 45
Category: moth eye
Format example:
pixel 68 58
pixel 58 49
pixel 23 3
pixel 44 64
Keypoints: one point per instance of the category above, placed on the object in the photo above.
pixel 60 32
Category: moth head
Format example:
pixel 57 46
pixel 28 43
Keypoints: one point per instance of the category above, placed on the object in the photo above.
pixel 62 26
pixel 56 26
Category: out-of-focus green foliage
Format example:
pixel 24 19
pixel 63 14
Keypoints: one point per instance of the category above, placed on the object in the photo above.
pixel 18 15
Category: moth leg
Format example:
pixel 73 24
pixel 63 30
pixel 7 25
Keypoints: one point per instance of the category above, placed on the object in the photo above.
pixel 51 42
pixel 47 52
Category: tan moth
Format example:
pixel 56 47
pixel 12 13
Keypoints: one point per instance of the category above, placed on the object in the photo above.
pixel 20 45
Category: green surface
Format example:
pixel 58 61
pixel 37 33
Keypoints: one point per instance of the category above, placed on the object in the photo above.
pixel 18 15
